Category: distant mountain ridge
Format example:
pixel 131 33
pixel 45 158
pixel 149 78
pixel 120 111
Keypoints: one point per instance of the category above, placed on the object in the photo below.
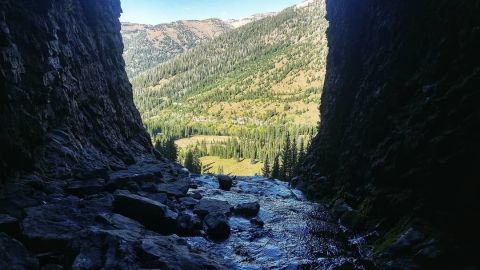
pixel 235 23
pixel 149 45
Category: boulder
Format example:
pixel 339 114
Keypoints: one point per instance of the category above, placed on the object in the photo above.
pixel 217 227
pixel 171 252
pixel 212 206
pixel 177 189
pixel 188 202
pixel 51 227
pixel 14 256
pixel 225 182
pixel 119 222
pixel 188 225
pixel 137 173
pixel 150 213
pixel 249 209
pixel 159 197
pixel 142 171
pixel 102 248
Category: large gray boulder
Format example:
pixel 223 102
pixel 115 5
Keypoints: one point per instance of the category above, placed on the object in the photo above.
pixel 152 214
pixel 212 206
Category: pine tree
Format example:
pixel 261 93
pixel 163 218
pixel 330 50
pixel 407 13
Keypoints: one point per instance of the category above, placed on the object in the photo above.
pixel 158 146
pixel 301 156
pixel 276 168
pixel 293 159
pixel 171 151
pixel 266 168
pixel 192 162
pixel 286 159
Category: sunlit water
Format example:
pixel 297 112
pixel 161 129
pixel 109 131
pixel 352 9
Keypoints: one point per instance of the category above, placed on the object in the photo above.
pixel 297 234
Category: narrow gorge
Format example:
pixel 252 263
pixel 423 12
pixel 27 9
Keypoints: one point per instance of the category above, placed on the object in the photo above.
pixel 389 181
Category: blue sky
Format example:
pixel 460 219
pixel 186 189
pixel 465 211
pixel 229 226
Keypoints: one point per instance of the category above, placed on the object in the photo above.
pixel 161 11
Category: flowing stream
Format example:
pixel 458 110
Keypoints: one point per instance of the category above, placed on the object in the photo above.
pixel 297 234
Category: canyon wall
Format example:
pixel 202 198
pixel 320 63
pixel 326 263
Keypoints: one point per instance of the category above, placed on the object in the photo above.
pixel 398 141
pixel 66 104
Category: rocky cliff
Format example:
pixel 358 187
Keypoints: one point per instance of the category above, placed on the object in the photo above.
pixel 88 190
pixel 66 103
pixel 397 148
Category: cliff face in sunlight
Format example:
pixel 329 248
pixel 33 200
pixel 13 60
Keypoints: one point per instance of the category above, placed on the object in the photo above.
pixel 398 142
pixel 66 103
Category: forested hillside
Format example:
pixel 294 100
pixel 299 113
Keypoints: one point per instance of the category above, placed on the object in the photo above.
pixel 149 45
pixel 256 83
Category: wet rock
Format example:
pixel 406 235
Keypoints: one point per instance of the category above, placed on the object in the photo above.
pixel 216 226
pixel 340 207
pixel 409 238
pixel 177 189
pixel 9 224
pixel 257 221
pixel 188 225
pixel 188 202
pixel 86 187
pixel 173 253
pixel 84 262
pixel 212 206
pixel 225 182
pixel 13 255
pixel 193 186
pixel 197 196
pixel 152 214
pixel 249 209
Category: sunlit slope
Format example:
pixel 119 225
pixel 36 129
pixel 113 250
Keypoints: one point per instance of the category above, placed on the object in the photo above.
pixel 267 72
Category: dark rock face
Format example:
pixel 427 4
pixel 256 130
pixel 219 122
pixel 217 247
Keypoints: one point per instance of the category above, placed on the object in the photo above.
pixel 399 134
pixel 65 101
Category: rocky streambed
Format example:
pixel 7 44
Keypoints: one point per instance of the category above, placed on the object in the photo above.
pixel 155 215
